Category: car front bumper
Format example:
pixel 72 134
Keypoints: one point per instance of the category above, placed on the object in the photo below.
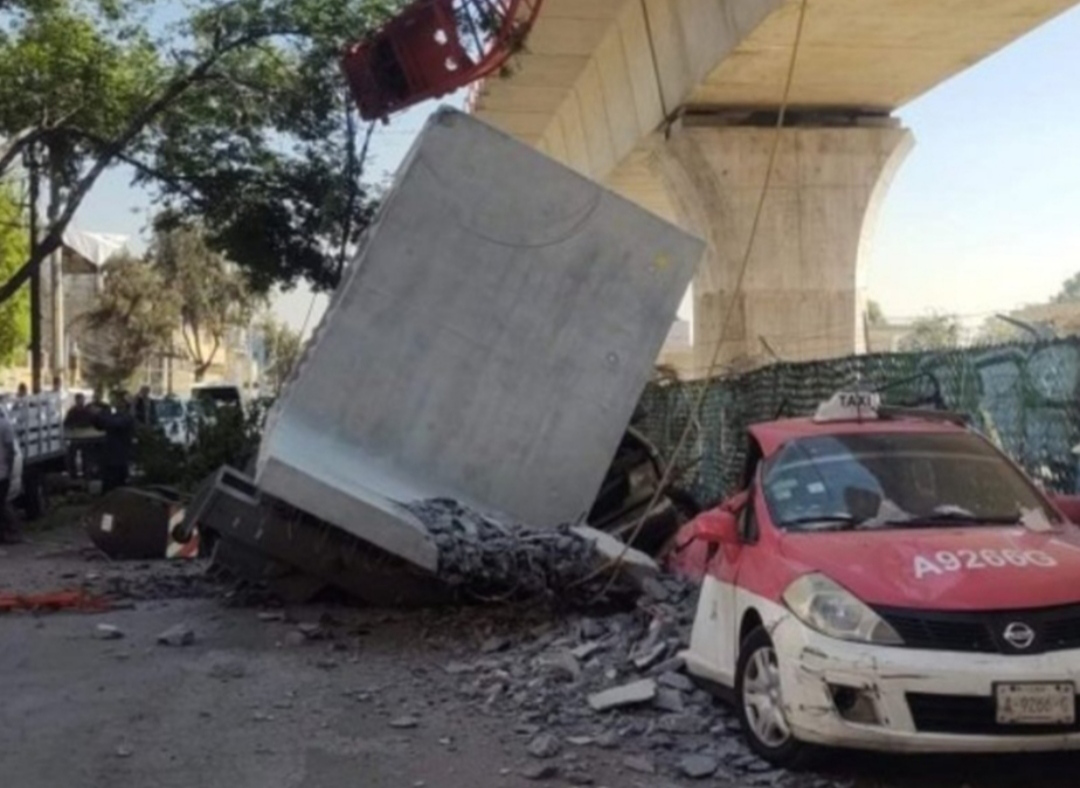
pixel 903 684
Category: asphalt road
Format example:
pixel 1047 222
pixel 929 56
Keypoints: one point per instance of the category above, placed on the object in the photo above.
pixel 255 702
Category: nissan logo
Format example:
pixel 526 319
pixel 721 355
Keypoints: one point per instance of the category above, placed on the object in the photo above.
pixel 1019 635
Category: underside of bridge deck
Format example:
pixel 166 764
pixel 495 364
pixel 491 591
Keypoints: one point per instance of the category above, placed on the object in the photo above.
pixel 669 101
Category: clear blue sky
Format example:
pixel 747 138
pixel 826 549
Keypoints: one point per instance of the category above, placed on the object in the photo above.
pixel 984 215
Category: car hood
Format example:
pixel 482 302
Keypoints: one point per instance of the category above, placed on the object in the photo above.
pixel 970 568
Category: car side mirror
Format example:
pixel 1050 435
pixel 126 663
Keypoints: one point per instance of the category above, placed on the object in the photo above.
pixel 718 527
pixel 1068 505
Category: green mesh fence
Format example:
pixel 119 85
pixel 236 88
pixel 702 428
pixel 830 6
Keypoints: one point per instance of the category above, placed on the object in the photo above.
pixel 1023 396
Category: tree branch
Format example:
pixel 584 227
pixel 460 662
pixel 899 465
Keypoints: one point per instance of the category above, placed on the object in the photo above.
pixel 177 183
pixel 111 151
pixel 15 146
pixel 198 342
pixel 355 169
pixel 187 342
pixel 213 352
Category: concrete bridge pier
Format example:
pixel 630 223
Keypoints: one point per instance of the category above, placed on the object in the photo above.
pixel 803 290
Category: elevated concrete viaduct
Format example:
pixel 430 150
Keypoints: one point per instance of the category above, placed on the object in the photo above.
pixel 673 103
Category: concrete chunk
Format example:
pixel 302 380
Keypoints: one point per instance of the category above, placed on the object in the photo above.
pixel 697 767
pixel 634 562
pixel 177 635
pixel 627 695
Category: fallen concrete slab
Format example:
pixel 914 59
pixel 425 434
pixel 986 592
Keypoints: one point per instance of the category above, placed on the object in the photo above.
pixel 488 345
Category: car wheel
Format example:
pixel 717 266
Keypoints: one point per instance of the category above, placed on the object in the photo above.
pixel 760 704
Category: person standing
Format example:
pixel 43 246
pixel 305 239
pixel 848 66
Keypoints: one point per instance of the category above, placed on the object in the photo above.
pixel 119 429
pixel 78 420
pixel 144 407
pixel 8 532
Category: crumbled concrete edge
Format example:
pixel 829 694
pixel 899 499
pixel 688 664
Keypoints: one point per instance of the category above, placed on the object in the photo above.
pixel 486 557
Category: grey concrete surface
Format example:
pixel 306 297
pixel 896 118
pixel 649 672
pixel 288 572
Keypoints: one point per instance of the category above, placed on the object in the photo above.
pixel 488 344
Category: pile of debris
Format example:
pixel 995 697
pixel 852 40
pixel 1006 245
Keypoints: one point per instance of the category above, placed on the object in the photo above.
pixel 484 559
pixel 615 682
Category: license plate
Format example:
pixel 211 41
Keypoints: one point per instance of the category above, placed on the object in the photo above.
pixel 1036 704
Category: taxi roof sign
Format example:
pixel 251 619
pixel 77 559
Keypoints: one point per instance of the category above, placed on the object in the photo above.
pixel 849 406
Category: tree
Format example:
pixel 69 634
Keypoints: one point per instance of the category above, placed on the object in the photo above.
pixel 281 350
pixel 75 80
pixel 934 332
pixel 269 160
pixel 14 313
pixel 213 296
pixel 1070 290
pixel 236 114
pixel 874 314
pixel 135 318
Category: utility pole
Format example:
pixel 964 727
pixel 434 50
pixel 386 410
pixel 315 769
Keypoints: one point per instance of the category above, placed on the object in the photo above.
pixel 35 275
pixel 58 352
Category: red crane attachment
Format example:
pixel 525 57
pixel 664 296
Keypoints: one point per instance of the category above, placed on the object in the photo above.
pixel 432 48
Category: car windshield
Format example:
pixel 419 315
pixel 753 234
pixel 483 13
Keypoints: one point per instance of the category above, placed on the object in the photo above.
pixel 893 480
pixel 217 395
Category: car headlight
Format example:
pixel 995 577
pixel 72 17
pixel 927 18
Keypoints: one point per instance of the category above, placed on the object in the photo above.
pixel 832 610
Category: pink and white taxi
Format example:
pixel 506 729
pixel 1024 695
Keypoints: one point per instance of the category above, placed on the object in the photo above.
pixel 887 580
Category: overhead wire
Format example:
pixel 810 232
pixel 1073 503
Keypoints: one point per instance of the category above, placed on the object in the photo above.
pixel 615 563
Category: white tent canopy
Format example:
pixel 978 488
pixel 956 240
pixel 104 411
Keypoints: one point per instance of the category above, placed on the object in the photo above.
pixel 94 247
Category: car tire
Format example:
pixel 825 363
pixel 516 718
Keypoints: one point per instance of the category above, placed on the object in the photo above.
pixel 761 712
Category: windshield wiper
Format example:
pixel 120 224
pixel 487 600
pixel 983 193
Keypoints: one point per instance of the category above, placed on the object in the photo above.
pixel 958 518
pixel 829 522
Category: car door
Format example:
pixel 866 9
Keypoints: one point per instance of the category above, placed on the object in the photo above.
pixel 715 637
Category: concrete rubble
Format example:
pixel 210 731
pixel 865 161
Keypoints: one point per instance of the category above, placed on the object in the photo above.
pixel 177 635
pixel 108 632
pixel 656 715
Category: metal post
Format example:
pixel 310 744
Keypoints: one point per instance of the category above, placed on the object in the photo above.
pixel 35 273
pixel 58 353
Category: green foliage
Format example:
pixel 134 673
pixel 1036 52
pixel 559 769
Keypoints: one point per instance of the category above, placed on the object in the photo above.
pixel 159 460
pixel 14 313
pixel 934 332
pixel 266 156
pixel 283 348
pixel 213 295
pixel 229 436
pixel 70 68
pixel 875 316
pixel 236 115
pixel 135 317
pixel 1070 290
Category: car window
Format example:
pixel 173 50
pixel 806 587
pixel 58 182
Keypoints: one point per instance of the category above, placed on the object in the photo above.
pixel 890 479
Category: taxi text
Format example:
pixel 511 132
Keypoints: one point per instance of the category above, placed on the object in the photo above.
pixel 945 561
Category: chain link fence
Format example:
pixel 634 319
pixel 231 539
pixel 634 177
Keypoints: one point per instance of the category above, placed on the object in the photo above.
pixel 1024 396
